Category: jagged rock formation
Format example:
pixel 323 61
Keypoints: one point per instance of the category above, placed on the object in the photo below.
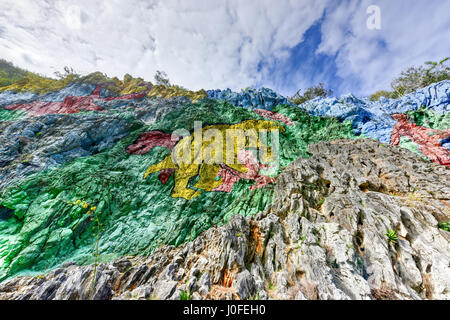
pixel 373 119
pixel 322 238
pixel 79 158
pixel 263 98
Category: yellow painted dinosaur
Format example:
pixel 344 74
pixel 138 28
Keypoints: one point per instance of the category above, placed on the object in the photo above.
pixel 205 160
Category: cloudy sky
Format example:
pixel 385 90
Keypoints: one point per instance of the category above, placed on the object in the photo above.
pixel 283 44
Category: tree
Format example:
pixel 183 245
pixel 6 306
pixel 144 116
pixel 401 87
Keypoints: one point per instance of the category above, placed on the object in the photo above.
pixel 437 71
pixel 415 78
pixel 161 78
pixel 68 71
pixel 311 93
pixel 382 93
pixel 10 74
pixel 408 81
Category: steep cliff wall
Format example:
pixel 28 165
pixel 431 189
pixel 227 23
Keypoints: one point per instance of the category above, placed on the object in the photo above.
pixel 93 142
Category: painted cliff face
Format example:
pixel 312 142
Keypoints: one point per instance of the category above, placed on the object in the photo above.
pixel 428 140
pixel 75 104
pixel 218 155
pixel 53 152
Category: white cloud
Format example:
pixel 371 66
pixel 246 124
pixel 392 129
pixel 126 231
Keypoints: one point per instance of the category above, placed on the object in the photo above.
pixel 221 43
pixel 411 33
pixel 200 44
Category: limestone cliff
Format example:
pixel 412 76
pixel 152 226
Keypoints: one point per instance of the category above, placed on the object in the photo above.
pixel 86 178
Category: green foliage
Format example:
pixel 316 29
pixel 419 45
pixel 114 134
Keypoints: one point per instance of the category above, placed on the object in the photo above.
pixel 254 297
pixel 9 73
pixel 444 226
pixel 67 72
pixel 409 81
pixel 382 93
pixel 98 228
pixel 161 78
pixel 436 71
pixel 392 236
pixel 18 80
pixel 185 295
pixel 415 78
pixel 94 78
pixel 320 203
pixel 311 93
pixel 166 92
pixel 39 84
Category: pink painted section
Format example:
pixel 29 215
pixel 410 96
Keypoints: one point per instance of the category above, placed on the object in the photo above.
pixel 96 93
pixel 274 116
pixel 148 140
pixel 230 176
pixel 72 104
pixel 427 139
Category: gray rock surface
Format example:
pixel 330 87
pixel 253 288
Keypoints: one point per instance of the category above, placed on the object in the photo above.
pixel 34 144
pixel 48 141
pixel 323 238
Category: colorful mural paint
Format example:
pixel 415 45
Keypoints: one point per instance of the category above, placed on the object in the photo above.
pixel 101 156
pixel 218 175
pixel 148 140
pixel 428 140
pixel 274 116
pixel 73 104
pixel 229 176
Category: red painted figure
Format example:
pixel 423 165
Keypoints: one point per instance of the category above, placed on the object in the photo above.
pixel 274 116
pixel 427 139
pixel 148 140
pixel 73 104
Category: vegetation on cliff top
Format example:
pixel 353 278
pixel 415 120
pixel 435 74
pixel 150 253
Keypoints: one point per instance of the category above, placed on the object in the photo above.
pixel 18 80
pixel 415 78
pixel 311 93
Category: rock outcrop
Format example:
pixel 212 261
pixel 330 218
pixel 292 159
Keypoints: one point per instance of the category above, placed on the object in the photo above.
pixel 264 98
pixel 87 176
pixel 52 160
pixel 373 119
pixel 323 237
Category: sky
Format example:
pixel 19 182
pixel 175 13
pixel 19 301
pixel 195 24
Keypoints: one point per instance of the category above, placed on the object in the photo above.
pixel 351 46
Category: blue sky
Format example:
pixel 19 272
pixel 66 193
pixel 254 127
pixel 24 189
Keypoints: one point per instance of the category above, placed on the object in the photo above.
pixel 304 66
pixel 284 45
